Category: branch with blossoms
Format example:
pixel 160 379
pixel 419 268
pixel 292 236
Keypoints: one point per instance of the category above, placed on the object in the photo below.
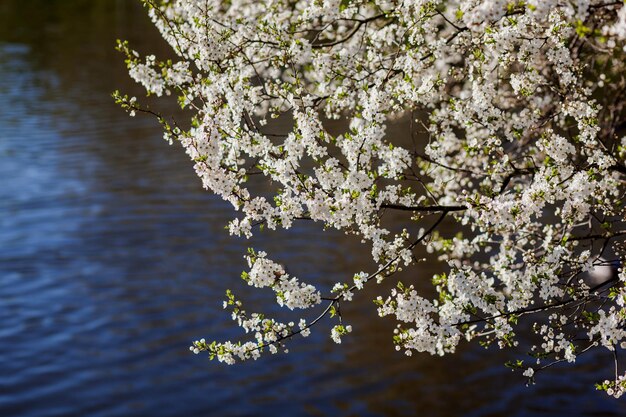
pixel 272 334
pixel 523 151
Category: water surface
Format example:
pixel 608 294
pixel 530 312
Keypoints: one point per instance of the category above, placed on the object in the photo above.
pixel 113 258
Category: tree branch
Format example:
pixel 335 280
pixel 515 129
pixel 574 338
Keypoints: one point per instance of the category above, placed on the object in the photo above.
pixel 444 209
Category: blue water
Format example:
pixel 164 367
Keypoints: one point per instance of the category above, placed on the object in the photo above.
pixel 113 258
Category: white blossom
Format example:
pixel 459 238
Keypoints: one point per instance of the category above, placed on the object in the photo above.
pixel 514 112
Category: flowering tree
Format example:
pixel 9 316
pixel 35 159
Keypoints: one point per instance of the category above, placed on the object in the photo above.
pixel 525 149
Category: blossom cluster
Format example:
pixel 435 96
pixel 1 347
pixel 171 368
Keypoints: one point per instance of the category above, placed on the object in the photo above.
pixel 522 145
pixel 289 292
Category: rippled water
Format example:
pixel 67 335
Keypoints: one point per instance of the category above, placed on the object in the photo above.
pixel 112 259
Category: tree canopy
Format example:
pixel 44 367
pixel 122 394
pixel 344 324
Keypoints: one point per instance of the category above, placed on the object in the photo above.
pixel 522 143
